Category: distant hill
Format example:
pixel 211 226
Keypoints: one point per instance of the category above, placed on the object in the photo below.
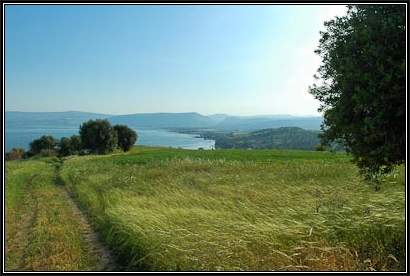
pixel 163 120
pixel 273 138
pixel 261 122
pixel 17 119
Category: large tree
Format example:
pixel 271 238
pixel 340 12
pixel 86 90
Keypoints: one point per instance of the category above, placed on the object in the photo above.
pixel 98 136
pixel 362 84
pixel 126 137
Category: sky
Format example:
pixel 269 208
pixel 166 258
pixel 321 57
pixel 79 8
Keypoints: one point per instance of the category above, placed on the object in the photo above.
pixel 125 59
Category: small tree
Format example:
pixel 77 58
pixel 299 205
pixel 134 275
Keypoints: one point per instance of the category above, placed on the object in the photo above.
pixel 15 154
pixel 43 144
pixel 126 137
pixel 98 136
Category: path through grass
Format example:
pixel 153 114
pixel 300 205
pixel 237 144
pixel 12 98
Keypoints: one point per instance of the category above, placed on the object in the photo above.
pixel 43 231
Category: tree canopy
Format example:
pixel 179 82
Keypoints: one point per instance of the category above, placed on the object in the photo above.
pixel 44 143
pixel 69 146
pixel 126 137
pixel 362 84
pixel 98 136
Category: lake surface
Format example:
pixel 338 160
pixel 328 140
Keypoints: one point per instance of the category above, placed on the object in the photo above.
pixel 21 137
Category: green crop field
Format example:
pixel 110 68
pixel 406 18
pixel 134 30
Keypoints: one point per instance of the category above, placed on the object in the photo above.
pixel 173 209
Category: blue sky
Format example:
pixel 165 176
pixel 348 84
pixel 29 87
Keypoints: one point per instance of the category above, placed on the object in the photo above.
pixel 241 60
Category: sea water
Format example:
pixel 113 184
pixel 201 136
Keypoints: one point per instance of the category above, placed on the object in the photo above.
pixel 21 137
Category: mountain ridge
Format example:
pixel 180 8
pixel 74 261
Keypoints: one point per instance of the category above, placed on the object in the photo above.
pixel 163 120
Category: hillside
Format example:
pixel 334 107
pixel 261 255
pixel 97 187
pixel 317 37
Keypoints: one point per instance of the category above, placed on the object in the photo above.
pixel 161 209
pixel 261 122
pixel 273 138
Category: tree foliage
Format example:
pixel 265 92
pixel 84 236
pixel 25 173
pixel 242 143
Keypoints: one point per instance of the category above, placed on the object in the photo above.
pixel 64 147
pixel 69 146
pixel 362 84
pixel 98 136
pixel 75 144
pixel 126 137
pixel 45 143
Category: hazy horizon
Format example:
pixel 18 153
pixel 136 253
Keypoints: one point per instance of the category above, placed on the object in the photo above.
pixel 236 60
pixel 210 114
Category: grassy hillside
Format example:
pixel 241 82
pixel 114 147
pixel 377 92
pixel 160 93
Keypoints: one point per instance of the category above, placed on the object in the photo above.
pixel 270 138
pixel 168 209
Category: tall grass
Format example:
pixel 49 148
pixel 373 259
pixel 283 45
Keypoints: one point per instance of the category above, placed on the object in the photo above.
pixel 42 231
pixel 167 209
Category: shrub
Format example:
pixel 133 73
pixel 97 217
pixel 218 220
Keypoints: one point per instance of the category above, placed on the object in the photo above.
pixel 320 147
pixel 15 154
pixel 48 153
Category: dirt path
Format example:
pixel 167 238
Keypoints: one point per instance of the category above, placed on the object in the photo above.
pixel 96 247
pixel 105 257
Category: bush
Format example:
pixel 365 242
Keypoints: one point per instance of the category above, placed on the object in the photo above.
pixel 48 153
pixel 15 154
pixel 321 147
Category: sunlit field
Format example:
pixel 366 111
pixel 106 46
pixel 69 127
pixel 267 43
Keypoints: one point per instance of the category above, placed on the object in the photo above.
pixel 42 232
pixel 169 209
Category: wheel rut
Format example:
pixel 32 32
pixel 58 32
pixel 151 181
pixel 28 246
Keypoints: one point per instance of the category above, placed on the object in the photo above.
pixel 95 246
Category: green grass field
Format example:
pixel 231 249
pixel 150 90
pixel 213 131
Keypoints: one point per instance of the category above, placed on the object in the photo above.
pixel 172 209
pixel 42 233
